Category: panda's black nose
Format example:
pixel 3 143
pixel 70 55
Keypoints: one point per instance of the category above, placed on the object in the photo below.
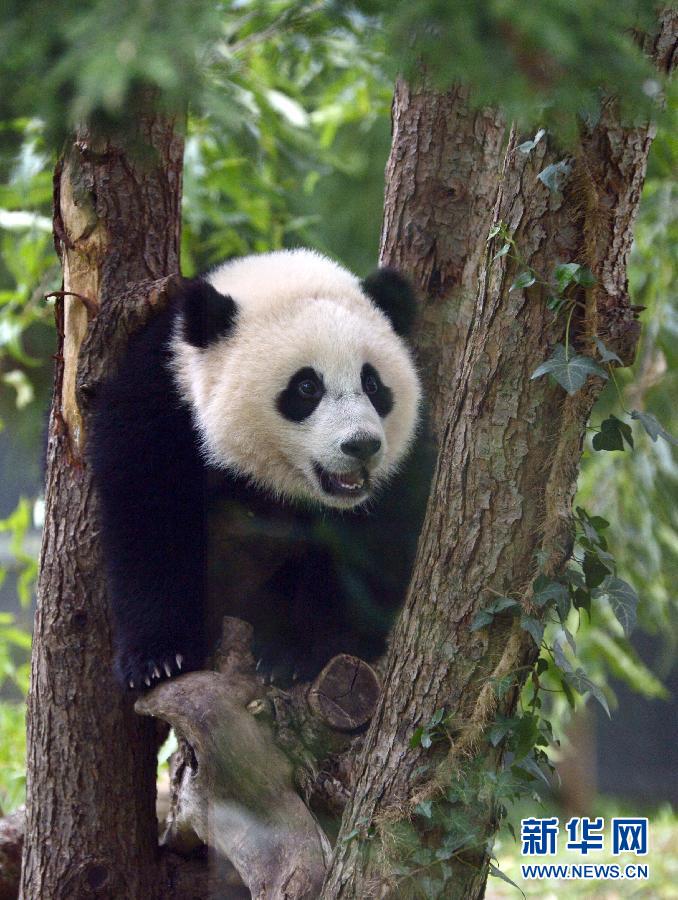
pixel 361 448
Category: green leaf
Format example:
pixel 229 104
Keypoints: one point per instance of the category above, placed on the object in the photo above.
pixel 555 176
pixel 424 808
pixel 494 231
pixel 481 619
pixel 654 428
pixel 497 873
pixel 415 740
pixel 567 690
pixel 623 601
pixel 613 432
pixel 607 356
pixel 533 627
pixel 555 304
pixel 528 146
pixel 502 603
pixel 502 251
pixel 561 660
pixel 570 371
pixel 581 683
pixel 595 570
pixel 569 637
pixel 529 764
pixel 437 717
pixel 499 730
pixel 551 592
pixel 524 280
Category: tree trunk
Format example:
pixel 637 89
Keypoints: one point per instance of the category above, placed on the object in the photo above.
pixel 91 828
pixel 509 452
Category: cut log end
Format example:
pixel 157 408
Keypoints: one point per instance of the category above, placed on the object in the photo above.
pixel 345 693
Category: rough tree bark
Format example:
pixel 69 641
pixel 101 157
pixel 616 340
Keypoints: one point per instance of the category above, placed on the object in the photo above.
pixel 91 827
pixel 510 447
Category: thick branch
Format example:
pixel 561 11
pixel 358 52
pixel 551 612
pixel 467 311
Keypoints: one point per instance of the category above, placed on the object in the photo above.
pixel 246 750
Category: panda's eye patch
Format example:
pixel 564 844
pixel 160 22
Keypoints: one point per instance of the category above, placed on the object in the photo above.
pixel 380 396
pixel 309 389
pixel 303 393
pixel 370 385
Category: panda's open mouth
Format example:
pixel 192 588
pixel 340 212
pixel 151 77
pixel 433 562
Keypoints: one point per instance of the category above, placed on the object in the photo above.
pixel 343 484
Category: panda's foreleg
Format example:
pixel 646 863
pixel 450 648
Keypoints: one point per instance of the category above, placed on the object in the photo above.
pixel 150 482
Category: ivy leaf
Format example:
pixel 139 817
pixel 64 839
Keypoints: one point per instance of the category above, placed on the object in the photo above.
pixel 499 730
pixel 653 427
pixel 550 592
pixel 524 280
pixel 417 735
pixel 567 690
pixel 437 717
pixel 424 808
pixel 581 683
pixel 572 273
pixel 497 873
pixel 562 661
pixel 582 600
pixel 532 766
pixel 623 601
pixel 494 231
pixel 595 570
pixel 502 603
pixel 555 175
pixel 527 146
pixel 569 637
pixel 533 627
pixel 485 616
pixel 570 372
pixel 555 304
pixel 592 526
pixel 613 432
pixel 481 619
pixel 502 251
pixel 606 355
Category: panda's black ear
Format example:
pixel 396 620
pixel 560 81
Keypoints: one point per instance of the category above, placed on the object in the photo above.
pixel 394 295
pixel 207 315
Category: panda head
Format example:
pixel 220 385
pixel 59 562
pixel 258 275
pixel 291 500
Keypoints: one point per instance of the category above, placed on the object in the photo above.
pixel 298 374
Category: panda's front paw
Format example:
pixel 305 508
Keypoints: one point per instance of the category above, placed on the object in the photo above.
pixel 139 671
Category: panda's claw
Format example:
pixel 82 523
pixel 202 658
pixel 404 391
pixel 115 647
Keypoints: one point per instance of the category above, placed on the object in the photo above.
pixel 167 669
pixel 131 684
pixel 148 681
pixel 156 672
pixel 180 661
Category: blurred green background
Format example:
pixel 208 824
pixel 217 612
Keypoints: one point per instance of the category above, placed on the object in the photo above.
pixel 287 137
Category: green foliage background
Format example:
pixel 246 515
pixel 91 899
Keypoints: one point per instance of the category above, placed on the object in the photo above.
pixel 287 137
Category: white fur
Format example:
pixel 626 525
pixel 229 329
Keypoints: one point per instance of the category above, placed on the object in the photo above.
pixel 296 309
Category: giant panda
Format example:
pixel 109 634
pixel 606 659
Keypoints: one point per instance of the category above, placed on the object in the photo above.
pixel 253 457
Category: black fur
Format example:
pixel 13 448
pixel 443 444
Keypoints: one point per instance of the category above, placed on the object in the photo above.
pixel 312 582
pixel 208 315
pixel 393 294
pixel 381 397
pixel 296 404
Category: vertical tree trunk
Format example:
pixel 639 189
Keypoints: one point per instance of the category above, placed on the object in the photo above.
pixel 91 828
pixel 509 454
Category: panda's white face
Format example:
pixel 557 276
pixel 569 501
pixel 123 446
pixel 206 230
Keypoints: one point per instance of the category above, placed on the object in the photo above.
pixel 313 399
